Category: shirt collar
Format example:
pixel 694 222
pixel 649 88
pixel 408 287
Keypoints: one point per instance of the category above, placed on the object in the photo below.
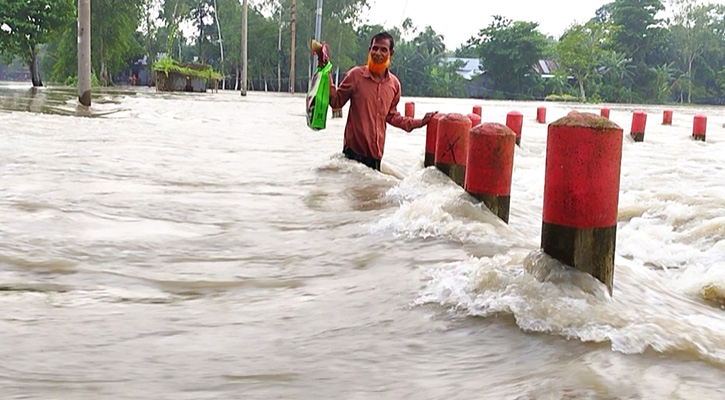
pixel 368 74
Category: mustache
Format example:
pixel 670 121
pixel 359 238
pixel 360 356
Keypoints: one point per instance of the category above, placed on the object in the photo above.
pixel 378 67
pixel 372 63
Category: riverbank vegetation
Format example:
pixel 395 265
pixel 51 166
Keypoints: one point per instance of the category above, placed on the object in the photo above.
pixel 638 51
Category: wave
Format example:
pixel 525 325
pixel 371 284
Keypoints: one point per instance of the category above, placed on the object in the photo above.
pixel 547 297
pixel 660 309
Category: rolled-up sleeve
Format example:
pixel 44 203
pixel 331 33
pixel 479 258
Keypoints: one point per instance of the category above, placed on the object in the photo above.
pixel 400 121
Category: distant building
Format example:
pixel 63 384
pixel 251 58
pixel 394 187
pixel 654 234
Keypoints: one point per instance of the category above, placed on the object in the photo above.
pixel 470 68
pixel 16 71
pixel 546 68
pixel 479 83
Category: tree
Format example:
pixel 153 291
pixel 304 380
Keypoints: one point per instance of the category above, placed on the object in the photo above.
pixel 509 51
pixel 150 29
pixel 339 18
pixel 430 43
pixel 468 49
pixel 445 80
pixel 618 75
pixel 172 14
pixel 603 13
pixel 665 75
pixel 115 40
pixel 638 26
pixel 638 32
pixel 28 24
pixel 580 52
pixel 229 16
pixel 696 30
pixel 113 37
pixel 200 16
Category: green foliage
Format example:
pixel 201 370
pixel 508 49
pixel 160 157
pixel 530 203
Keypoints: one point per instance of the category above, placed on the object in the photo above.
pixel 73 81
pixel 625 53
pixel 697 32
pixel 580 51
pixel 509 49
pixel 639 25
pixel 31 23
pixel 167 65
pixel 559 84
pixel 28 24
pixel 662 85
pixel 114 41
pixel 721 80
pixel 421 66
pixel 561 97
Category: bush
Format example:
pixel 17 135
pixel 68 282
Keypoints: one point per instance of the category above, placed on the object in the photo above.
pixel 203 71
pixel 561 97
pixel 73 81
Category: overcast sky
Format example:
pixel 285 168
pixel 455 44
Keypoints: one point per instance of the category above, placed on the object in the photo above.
pixel 458 20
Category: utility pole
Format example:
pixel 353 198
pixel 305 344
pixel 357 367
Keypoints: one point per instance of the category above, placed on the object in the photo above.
pixel 221 44
pixel 318 24
pixel 245 9
pixel 201 35
pixel 279 54
pixel 318 20
pixel 292 53
pixel 84 52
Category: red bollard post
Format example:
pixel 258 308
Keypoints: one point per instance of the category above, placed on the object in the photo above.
pixel 541 115
pixel 410 109
pixel 604 112
pixel 667 117
pixel 515 122
pixel 475 119
pixel 430 140
pixel 490 166
pixel 699 128
pixel 452 146
pixel 639 121
pixel 478 110
pixel 581 193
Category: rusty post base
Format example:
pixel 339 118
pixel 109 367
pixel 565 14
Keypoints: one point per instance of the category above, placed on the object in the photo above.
pixel 588 250
pixel 499 205
pixel 454 171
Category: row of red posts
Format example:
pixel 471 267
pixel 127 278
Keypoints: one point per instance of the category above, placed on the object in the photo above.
pixel 639 122
pixel 514 120
pixel 581 189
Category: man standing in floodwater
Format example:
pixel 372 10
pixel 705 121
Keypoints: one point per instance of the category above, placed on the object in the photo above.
pixel 374 94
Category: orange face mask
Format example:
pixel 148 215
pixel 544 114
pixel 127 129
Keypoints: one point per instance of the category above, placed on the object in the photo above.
pixel 378 68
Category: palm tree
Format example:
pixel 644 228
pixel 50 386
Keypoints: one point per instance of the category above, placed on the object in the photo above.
pixel 664 75
pixel 618 66
pixel 430 43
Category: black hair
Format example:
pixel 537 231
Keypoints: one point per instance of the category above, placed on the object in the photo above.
pixel 382 36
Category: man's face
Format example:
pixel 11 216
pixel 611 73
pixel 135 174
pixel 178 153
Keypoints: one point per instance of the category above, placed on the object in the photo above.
pixel 380 50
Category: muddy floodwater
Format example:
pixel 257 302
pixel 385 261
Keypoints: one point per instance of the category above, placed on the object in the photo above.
pixel 211 246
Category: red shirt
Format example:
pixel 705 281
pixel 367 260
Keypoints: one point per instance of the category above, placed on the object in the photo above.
pixel 373 103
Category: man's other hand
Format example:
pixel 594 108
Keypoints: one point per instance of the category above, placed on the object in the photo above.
pixel 323 56
pixel 428 117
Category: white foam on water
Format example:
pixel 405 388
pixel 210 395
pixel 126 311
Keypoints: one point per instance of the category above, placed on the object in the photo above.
pixel 545 296
pixel 432 206
pixel 669 276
